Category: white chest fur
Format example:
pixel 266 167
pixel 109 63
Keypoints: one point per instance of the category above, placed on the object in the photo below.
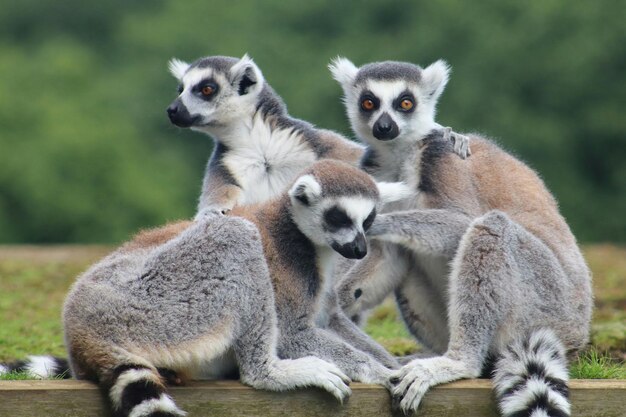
pixel 265 161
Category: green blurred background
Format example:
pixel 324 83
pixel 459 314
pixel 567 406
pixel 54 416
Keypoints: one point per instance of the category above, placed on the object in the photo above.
pixel 88 155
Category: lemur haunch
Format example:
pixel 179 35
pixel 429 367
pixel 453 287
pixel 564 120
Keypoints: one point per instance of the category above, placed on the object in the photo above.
pixel 259 148
pixel 188 296
pixel 481 262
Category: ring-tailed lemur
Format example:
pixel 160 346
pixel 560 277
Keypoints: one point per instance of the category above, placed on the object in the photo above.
pixel 259 148
pixel 192 296
pixel 481 261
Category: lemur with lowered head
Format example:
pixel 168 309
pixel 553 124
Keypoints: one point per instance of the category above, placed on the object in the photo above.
pixel 259 148
pixel 249 287
pixel 482 264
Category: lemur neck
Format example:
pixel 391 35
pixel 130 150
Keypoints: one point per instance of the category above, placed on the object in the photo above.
pixel 295 249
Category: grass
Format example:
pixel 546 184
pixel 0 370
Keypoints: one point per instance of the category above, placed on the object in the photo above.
pixel 34 281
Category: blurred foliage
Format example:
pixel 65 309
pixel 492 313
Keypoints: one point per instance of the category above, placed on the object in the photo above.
pixel 87 154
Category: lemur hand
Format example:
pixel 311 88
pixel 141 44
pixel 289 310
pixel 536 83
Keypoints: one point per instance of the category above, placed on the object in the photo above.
pixel 460 142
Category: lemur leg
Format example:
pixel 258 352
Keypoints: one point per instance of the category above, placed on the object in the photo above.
pixel 423 310
pixel 302 339
pixel 370 280
pixel 344 327
pixel 430 232
pixel 485 284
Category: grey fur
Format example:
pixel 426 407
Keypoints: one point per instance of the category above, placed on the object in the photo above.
pixel 189 296
pixel 478 237
pixel 183 305
pixel 389 71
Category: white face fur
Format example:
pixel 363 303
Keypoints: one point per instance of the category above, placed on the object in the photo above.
pixel 387 107
pixel 213 97
pixel 338 222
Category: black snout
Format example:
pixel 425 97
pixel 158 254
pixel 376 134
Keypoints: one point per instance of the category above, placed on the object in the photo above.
pixel 357 249
pixel 385 128
pixel 178 114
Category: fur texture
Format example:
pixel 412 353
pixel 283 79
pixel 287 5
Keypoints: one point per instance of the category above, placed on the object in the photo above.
pixel 477 236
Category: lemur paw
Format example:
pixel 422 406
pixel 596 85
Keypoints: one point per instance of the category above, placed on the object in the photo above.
pixel 318 372
pixel 460 142
pixel 408 386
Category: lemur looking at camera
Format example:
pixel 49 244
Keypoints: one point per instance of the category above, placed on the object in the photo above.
pixel 481 263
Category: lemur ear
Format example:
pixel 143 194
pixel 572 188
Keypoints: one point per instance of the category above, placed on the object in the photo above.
pixel 435 77
pixel 246 76
pixel 306 190
pixel 343 70
pixel 393 191
pixel 178 68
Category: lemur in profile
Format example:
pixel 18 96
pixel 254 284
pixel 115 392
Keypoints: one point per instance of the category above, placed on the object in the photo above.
pixel 482 264
pixel 259 148
pixel 249 286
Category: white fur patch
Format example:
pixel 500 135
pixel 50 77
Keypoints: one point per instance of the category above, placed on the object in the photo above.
pixel 128 377
pixel 264 161
pixel 435 77
pixel 164 404
pixel 393 191
pixel 343 70
pixel 3 370
pixel 306 186
pixel 178 68
pixel 309 371
pixel 41 366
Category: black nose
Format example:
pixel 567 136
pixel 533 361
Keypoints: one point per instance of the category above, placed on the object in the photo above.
pixel 172 109
pixel 360 246
pixel 385 128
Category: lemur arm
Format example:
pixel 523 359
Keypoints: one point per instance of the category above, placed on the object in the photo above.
pixel 341 325
pixel 367 283
pixel 429 231
pixel 220 190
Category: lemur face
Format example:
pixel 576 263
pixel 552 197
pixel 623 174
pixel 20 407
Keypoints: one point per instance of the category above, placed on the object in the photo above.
pixel 214 91
pixel 335 211
pixel 390 101
pixel 339 222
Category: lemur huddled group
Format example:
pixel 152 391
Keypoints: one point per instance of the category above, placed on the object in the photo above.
pixel 267 280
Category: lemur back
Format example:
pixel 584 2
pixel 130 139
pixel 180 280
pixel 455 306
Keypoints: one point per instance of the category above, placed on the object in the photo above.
pixel 488 266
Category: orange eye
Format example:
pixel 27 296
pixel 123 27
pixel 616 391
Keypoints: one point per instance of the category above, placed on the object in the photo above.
pixel 207 90
pixel 406 104
pixel 367 104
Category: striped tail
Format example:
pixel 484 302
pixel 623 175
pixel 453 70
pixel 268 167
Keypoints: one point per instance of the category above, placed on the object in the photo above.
pixel 42 367
pixel 137 391
pixel 530 377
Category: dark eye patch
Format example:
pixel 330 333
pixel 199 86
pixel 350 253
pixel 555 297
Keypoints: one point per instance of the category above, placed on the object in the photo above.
pixel 367 223
pixel 405 95
pixel 210 82
pixel 335 218
pixel 368 95
pixel 180 88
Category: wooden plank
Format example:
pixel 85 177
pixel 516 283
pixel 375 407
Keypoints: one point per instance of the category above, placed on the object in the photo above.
pixel 471 398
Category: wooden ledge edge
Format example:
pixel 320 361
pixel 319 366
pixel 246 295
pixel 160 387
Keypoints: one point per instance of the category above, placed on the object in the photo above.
pixel 469 384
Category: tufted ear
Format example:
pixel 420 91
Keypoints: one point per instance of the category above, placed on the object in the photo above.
pixel 393 191
pixel 178 68
pixel 246 76
pixel 306 190
pixel 434 78
pixel 343 70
